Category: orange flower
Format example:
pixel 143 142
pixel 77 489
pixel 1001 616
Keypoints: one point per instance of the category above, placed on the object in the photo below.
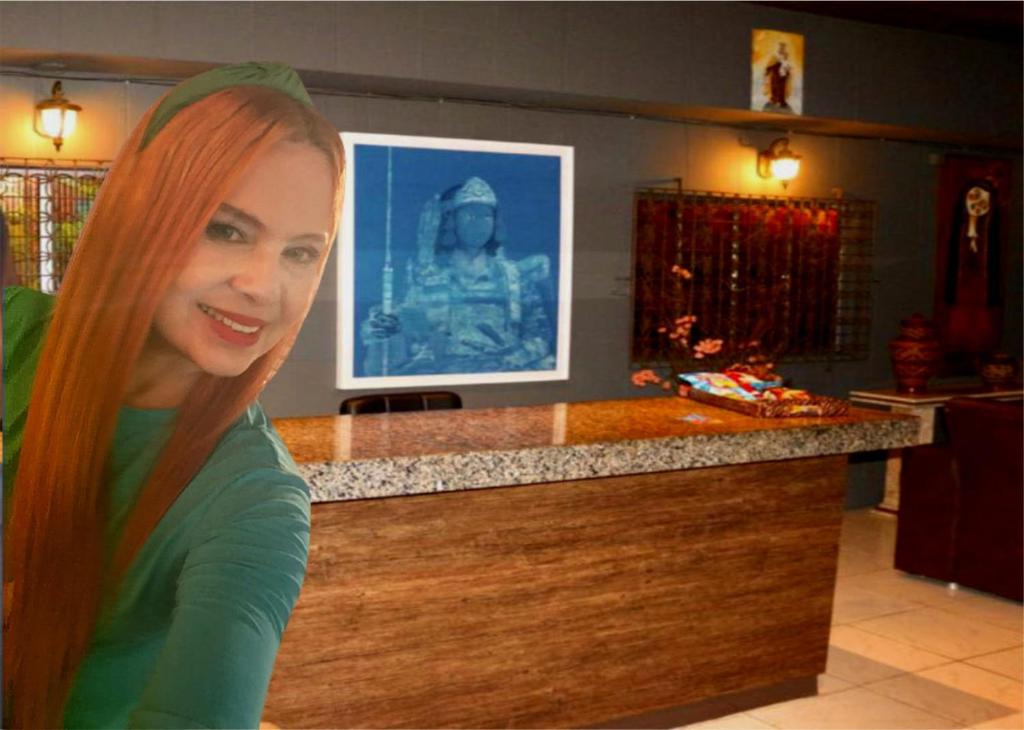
pixel 708 347
pixel 643 377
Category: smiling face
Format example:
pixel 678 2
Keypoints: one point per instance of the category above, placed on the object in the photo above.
pixel 253 272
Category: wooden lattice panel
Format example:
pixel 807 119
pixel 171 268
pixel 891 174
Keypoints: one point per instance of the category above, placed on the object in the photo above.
pixel 45 206
pixel 793 273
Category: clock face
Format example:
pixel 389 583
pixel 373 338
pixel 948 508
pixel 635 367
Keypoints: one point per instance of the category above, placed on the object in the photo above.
pixel 979 201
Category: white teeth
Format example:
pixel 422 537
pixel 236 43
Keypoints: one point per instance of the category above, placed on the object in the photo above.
pixel 228 322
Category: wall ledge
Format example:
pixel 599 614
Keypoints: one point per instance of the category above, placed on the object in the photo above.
pixel 35 62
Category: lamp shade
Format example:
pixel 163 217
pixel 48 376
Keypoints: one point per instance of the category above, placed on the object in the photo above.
pixel 778 162
pixel 785 168
pixel 56 117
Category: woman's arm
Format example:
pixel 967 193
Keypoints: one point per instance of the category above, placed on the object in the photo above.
pixel 235 594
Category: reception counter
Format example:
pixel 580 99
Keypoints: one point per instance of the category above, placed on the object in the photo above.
pixel 634 563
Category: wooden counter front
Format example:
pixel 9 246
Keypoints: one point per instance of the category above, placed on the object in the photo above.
pixel 565 603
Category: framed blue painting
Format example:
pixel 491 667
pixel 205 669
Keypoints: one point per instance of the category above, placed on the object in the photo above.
pixel 455 264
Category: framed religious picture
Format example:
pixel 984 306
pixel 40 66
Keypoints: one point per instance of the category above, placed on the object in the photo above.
pixel 455 262
pixel 777 72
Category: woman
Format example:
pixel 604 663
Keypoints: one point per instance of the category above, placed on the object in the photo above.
pixel 467 308
pixel 156 527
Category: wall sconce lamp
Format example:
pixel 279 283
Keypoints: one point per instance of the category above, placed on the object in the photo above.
pixel 778 162
pixel 56 116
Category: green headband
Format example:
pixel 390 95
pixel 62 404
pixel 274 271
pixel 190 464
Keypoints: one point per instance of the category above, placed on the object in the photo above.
pixel 278 76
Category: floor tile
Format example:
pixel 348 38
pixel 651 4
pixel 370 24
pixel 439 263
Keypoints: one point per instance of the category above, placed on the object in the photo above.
pixel 856 669
pixel 1009 663
pixel 869 538
pixel 983 607
pixel 898 655
pixel 980 682
pixel 897 584
pixel 854 561
pixel 856 709
pixel 739 721
pixel 880 545
pixel 857 604
pixel 942 632
pixel 1010 722
pixel 862 524
pixel 828 684
pixel 940 699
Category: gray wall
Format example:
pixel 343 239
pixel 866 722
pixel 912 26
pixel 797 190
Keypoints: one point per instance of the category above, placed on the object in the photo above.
pixel 612 156
pixel 693 54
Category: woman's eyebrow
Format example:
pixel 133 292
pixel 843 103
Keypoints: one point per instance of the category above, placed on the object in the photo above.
pixel 256 223
pixel 238 213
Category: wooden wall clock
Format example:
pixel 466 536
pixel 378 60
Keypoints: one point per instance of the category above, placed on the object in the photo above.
pixel 970 257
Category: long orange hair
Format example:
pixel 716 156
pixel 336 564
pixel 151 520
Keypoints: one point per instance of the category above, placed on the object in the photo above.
pixel 148 216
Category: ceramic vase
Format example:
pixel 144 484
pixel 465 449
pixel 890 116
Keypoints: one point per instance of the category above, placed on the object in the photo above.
pixel 916 354
pixel 998 370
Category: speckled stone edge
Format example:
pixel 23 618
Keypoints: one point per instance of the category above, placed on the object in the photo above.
pixel 395 477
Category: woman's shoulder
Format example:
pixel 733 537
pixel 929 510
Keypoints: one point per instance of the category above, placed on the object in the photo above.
pixel 21 301
pixel 251 463
pixel 255 431
pixel 22 296
pixel 26 316
pixel 25 310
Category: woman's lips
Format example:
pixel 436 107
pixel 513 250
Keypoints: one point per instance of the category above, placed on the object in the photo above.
pixel 243 339
pixel 227 333
pixel 240 318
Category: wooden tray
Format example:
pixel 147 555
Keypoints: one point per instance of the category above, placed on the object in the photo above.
pixel 818 405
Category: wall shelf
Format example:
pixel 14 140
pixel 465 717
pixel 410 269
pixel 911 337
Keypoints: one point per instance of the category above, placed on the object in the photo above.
pixel 50 64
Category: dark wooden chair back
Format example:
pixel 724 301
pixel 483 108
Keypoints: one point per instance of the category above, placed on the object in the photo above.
pixel 435 400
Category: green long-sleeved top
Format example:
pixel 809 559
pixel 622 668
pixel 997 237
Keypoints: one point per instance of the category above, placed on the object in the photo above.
pixel 191 637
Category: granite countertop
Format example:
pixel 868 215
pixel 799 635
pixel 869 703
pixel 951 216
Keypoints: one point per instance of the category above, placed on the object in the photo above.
pixel 371 456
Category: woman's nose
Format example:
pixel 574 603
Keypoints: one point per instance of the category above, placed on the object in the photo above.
pixel 257 274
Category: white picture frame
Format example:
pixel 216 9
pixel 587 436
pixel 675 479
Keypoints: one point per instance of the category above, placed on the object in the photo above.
pixel 450 311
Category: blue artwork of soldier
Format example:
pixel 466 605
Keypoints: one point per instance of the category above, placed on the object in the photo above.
pixel 468 306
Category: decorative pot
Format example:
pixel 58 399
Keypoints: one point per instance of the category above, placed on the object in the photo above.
pixel 916 354
pixel 998 370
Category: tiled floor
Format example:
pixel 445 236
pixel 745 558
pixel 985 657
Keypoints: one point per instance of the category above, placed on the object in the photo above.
pixel 904 652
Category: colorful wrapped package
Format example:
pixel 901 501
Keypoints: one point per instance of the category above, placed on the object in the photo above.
pixel 762 398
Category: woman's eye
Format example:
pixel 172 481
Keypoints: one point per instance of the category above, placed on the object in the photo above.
pixel 303 255
pixel 224 232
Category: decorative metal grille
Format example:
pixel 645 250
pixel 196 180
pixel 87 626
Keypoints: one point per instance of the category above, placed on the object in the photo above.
pixel 45 204
pixel 792 273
